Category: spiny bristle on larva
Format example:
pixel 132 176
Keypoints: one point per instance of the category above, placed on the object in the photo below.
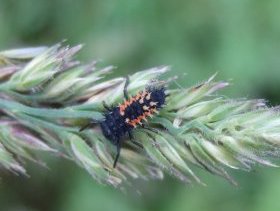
pixel 137 108
pixel 146 108
pixel 138 98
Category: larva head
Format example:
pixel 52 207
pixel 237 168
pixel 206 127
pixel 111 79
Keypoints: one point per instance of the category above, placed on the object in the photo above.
pixel 157 95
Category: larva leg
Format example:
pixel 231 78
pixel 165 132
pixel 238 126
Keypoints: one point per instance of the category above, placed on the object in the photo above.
pixel 133 141
pixel 149 128
pixel 125 93
pixel 91 123
pixel 106 106
pixel 118 154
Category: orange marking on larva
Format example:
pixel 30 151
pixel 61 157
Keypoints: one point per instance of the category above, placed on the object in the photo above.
pixel 142 117
pixel 128 102
pixel 142 97
pixel 132 124
pixel 137 121
pixel 148 110
pixel 138 96
pixel 149 113
pixel 122 108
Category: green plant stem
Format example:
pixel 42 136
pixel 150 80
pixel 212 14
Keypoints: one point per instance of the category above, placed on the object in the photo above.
pixel 68 112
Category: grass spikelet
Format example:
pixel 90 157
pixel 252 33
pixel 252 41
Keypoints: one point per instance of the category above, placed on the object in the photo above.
pixel 46 96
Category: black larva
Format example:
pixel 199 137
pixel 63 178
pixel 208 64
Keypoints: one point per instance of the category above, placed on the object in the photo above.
pixel 119 121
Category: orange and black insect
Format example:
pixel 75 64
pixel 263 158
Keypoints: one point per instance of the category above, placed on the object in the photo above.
pixel 120 120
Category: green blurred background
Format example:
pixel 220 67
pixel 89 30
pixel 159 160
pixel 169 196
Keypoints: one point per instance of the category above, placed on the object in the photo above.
pixel 239 39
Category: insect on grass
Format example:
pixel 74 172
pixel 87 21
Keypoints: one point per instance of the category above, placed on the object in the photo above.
pixel 120 120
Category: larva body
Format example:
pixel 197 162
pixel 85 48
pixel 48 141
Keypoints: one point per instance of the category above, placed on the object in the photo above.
pixel 119 121
pixel 122 119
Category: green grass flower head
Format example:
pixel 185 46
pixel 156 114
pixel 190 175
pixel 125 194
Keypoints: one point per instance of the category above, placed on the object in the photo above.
pixel 46 96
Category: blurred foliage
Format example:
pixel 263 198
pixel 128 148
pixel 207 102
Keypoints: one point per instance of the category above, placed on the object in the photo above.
pixel 238 39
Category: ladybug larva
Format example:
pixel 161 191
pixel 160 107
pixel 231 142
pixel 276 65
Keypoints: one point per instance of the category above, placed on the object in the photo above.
pixel 120 120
